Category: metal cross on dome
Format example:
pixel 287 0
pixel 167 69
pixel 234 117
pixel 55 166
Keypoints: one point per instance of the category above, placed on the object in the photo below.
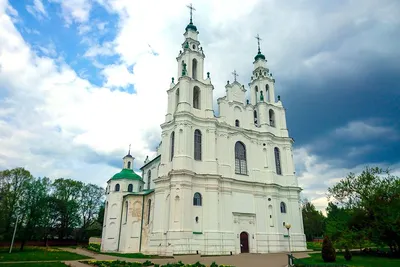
pixel 191 11
pixel 235 74
pixel 258 41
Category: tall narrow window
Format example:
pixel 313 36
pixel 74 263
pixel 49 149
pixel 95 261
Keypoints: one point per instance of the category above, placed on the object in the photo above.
pixel 172 145
pixel 148 213
pixel 271 118
pixel 267 93
pixel 130 187
pixel 117 187
pixel 105 215
pixel 283 207
pixel 256 94
pixel 129 164
pixel 126 211
pixel 240 158
pixel 148 179
pixel 197 145
pixel 237 124
pixel 197 199
pixel 278 161
pixel 196 97
pixel 194 68
pixel 177 97
pixel 255 118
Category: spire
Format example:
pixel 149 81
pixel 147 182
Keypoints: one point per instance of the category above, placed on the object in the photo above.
pixel 129 152
pixel 259 55
pixel 191 26
pixel 235 74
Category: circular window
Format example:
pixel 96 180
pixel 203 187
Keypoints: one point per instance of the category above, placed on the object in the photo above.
pixel 269 199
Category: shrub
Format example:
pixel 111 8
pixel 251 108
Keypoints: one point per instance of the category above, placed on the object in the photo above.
pixel 213 264
pixel 328 251
pixel 148 263
pixel 347 254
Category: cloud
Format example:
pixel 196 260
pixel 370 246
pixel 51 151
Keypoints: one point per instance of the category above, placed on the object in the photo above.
pixel 74 10
pixel 37 10
pixel 361 130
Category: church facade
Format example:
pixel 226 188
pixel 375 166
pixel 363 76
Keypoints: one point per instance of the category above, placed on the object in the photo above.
pixel 218 184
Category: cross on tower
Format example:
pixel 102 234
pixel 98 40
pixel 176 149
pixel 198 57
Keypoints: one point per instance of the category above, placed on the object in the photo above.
pixel 191 11
pixel 129 152
pixel 235 74
pixel 258 41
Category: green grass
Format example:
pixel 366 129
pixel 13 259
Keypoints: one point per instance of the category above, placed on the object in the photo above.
pixel 34 264
pixel 314 246
pixel 357 260
pixel 96 248
pixel 38 254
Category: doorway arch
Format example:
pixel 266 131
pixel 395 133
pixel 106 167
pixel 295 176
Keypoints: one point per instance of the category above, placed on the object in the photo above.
pixel 244 242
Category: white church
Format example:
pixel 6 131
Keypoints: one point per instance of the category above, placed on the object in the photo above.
pixel 219 185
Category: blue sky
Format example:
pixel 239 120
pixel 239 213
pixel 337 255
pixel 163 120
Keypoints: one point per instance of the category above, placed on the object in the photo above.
pixel 80 80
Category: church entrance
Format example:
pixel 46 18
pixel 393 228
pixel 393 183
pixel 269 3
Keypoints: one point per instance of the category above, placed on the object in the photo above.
pixel 244 242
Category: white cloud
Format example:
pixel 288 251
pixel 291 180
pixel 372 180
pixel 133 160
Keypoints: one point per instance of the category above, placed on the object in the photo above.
pixel 362 130
pixel 75 10
pixel 117 76
pixel 37 9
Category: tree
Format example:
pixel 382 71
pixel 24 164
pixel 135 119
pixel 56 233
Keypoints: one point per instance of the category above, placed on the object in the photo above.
pixel 33 206
pixel 13 184
pixel 328 251
pixel 313 221
pixel 91 200
pixel 374 198
pixel 67 194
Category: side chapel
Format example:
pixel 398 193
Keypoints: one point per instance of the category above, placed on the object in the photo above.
pixel 218 184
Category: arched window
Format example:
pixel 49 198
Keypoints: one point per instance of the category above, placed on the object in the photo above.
pixel 267 93
pixel 283 207
pixel 278 161
pixel 197 145
pixel 256 92
pixel 194 68
pixel 271 118
pixel 129 164
pixel 148 213
pixel 117 187
pixel 197 199
pixel 237 124
pixel 148 179
pixel 196 97
pixel 126 211
pixel 255 118
pixel 177 97
pixel 130 187
pixel 172 145
pixel 240 158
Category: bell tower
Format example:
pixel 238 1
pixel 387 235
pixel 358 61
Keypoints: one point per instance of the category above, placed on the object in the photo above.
pixel 192 92
pixel 262 83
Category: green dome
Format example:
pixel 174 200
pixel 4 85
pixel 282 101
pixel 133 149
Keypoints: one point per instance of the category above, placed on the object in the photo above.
pixel 191 26
pixel 259 55
pixel 126 174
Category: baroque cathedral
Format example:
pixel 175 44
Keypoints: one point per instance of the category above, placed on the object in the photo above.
pixel 218 185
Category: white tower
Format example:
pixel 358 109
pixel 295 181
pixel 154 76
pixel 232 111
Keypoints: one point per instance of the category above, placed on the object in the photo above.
pixel 118 187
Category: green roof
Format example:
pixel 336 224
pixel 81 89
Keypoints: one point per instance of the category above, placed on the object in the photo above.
pixel 126 174
pixel 259 55
pixel 191 26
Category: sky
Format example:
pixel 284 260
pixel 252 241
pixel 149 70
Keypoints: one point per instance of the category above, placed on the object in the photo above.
pixel 80 80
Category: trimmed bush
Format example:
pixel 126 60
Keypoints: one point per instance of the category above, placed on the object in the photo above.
pixel 347 254
pixel 328 251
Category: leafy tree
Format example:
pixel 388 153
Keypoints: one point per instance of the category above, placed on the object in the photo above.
pixel 374 199
pixel 13 184
pixel 328 251
pixel 91 200
pixel 313 220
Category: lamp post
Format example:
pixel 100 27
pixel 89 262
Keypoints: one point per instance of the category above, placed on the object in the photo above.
pixel 290 251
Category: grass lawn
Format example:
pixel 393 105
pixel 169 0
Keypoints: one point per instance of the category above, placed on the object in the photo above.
pixel 34 264
pixel 96 248
pixel 357 260
pixel 314 246
pixel 38 254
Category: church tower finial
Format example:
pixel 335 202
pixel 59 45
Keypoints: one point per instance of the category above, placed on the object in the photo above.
pixel 191 25
pixel 129 151
pixel 259 55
